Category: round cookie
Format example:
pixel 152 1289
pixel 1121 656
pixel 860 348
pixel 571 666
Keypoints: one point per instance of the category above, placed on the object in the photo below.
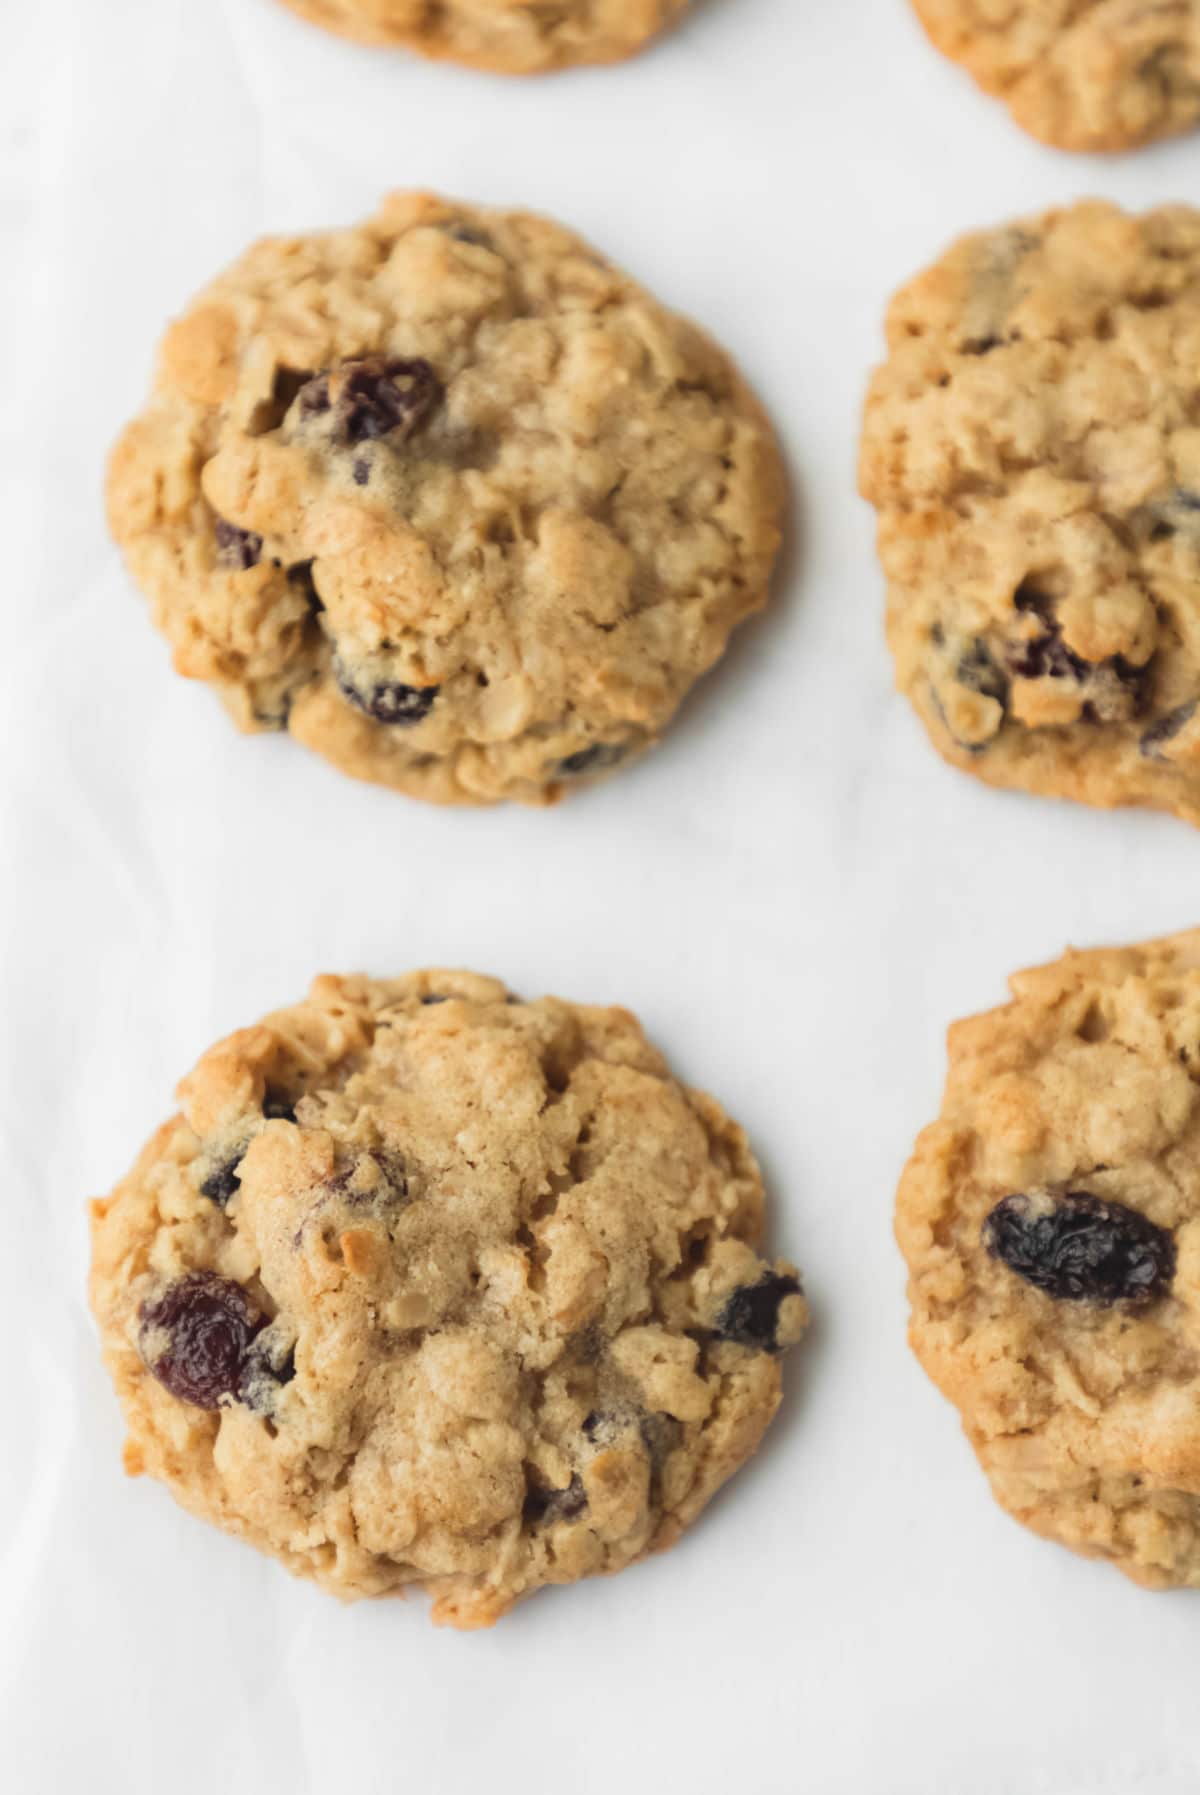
pixel 1079 74
pixel 449 498
pixel 510 37
pixel 1051 1223
pixel 430 1286
pixel 1032 446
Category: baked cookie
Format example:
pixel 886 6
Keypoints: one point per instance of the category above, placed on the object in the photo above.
pixel 429 1286
pixel 1051 1224
pixel 449 498
pixel 1079 74
pixel 1032 446
pixel 511 37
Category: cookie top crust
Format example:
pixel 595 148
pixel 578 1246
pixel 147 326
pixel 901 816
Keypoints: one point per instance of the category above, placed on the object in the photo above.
pixel 1032 447
pixel 1051 1223
pixel 509 37
pixel 449 498
pixel 430 1286
pixel 1079 74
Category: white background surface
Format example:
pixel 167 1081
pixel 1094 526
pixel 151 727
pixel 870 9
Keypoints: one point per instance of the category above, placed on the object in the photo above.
pixel 793 892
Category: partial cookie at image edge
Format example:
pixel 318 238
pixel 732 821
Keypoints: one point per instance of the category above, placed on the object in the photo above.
pixel 1030 450
pixel 1118 76
pixel 520 47
pixel 1050 1222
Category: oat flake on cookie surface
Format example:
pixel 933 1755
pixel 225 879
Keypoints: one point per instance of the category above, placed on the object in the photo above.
pixel 449 498
pixel 429 1286
pixel 1050 1219
pixel 1032 448
pixel 511 37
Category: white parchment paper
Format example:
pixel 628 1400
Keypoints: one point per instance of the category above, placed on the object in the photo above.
pixel 794 894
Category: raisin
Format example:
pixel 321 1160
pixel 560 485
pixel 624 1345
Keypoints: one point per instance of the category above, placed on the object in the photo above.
pixel 1047 657
pixel 383 398
pixel 1044 656
pixel 237 548
pixel 361 471
pixel 591 760
pixel 548 1506
pixel 209 1323
pixel 1165 729
pixel 374 397
pixel 436 997
pixel 1113 689
pixel 980 345
pixel 751 1315
pixel 390 701
pixel 223 1183
pixel 1079 1248
pixel 224 1180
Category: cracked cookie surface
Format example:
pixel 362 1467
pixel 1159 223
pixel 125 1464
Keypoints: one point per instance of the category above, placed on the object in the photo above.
pixel 430 1286
pixel 1051 1224
pixel 1032 447
pixel 513 37
pixel 1079 74
pixel 449 498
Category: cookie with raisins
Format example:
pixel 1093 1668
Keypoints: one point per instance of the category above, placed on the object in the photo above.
pixel 429 1287
pixel 1031 448
pixel 448 498
pixel 1050 1219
